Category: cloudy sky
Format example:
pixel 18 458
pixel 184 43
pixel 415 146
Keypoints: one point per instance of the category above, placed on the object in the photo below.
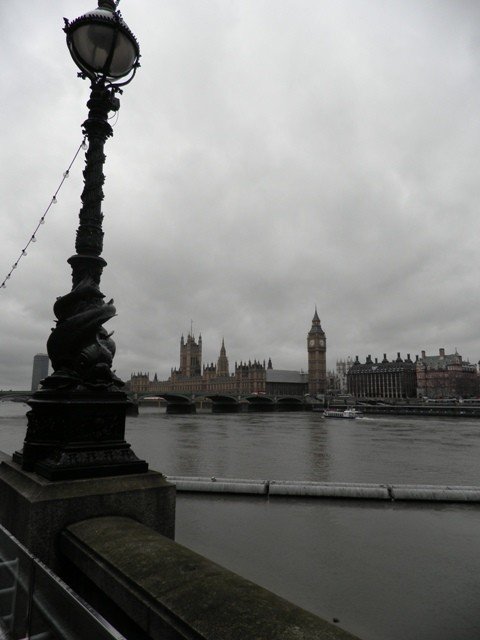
pixel 269 156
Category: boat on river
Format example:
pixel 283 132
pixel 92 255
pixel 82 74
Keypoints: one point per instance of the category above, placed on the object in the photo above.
pixel 349 414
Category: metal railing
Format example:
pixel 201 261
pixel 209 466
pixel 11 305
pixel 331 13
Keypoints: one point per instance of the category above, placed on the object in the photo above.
pixel 35 604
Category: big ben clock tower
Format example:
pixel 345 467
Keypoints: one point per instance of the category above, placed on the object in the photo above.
pixel 317 363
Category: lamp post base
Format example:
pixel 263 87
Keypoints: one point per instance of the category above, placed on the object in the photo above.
pixel 78 434
pixel 36 510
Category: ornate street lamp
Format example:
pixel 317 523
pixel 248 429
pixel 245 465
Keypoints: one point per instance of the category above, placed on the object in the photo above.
pixel 76 426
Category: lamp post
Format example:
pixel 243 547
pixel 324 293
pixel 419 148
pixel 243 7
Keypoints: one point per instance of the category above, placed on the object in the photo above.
pixel 76 426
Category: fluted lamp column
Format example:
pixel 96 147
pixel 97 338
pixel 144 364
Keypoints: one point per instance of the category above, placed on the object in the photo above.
pixel 76 425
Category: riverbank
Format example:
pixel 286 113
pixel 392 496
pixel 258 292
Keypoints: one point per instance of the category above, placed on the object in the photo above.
pixel 426 409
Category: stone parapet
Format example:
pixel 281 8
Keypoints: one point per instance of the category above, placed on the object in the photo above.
pixel 169 591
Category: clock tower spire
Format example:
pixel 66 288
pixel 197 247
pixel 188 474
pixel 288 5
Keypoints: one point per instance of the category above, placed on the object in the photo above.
pixel 317 365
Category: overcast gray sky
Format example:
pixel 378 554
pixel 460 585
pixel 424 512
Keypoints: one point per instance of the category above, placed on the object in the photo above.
pixel 270 155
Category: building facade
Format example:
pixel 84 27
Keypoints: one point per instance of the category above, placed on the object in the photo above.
pixel 317 358
pixel 39 369
pixel 342 369
pixel 446 376
pixel 191 377
pixel 383 380
pixel 282 382
pixel 190 357
pixel 247 378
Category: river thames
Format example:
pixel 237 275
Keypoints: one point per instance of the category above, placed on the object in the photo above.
pixel 386 571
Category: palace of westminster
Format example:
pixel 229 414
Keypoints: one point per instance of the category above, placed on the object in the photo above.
pixel 247 378
pixel 439 376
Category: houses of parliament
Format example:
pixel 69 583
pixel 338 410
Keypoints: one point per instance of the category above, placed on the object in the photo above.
pixel 247 378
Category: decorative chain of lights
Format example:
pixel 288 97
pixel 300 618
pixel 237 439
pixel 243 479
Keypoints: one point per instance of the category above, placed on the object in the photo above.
pixel 33 237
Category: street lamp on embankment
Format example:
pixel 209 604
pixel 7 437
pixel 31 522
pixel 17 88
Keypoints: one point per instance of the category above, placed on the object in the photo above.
pixel 75 463
pixel 76 426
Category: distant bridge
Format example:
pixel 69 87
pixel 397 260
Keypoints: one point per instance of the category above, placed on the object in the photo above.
pixel 15 396
pixel 220 403
pixel 227 403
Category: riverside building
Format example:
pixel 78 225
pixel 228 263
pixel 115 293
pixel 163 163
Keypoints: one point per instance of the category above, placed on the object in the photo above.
pixel 383 380
pixel 191 377
pixel 434 377
pixel 247 378
pixel 446 376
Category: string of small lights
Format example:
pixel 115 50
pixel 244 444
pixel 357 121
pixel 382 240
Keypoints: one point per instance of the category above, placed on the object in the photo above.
pixel 33 237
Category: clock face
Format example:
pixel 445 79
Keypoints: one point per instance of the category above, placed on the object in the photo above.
pixel 312 342
pixel 322 343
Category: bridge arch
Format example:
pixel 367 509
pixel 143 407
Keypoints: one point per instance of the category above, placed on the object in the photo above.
pixel 178 403
pixel 222 403
pixel 260 403
pixel 290 403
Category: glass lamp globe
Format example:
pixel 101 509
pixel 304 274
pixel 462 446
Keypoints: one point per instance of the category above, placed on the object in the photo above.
pixel 102 45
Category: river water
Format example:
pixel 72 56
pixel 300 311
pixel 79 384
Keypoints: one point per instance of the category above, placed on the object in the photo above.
pixel 386 571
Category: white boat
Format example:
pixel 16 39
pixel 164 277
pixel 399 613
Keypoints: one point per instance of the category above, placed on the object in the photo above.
pixel 339 413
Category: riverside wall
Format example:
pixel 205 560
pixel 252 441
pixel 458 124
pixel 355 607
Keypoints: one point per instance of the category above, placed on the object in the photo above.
pixel 424 409
pixel 150 587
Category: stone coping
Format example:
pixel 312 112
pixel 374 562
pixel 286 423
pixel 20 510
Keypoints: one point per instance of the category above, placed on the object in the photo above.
pixel 172 592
